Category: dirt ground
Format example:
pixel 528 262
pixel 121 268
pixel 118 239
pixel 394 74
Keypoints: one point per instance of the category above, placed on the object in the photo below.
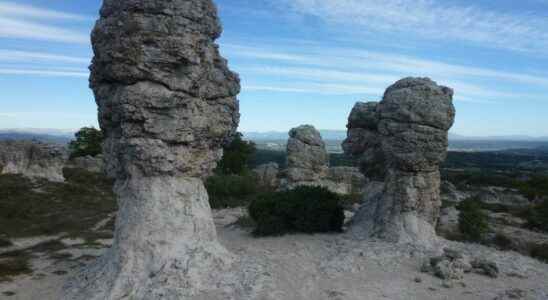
pixel 331 267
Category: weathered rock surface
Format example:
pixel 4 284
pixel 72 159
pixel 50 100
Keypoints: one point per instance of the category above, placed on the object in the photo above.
pixel 167 102
pixel 409 141
pixel 89 163
pixel 308 165
pixel 307 158
pixel 268 175
pixel 33 159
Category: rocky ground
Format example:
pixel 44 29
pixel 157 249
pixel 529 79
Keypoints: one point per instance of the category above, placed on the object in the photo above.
pixel 304 267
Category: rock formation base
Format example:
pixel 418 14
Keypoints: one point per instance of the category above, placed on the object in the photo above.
pixel 165 245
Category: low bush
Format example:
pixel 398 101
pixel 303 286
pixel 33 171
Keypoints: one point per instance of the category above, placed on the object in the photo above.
pixel 304 209
pixel 231 190
pixel 537 217
pixel 473 222
pixel 540 252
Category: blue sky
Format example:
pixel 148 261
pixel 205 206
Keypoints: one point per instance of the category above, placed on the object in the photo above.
pixel 305 61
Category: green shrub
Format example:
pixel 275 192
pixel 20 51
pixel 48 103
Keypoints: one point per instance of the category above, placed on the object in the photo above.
pixel 231 190
pixel 304 209
pixel 473 222
pixel 88 142
pixel 236 156
pixel 537 217
pixel 540 252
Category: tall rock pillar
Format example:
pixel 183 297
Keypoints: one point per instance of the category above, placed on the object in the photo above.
pixel 167 102
pixel 403 139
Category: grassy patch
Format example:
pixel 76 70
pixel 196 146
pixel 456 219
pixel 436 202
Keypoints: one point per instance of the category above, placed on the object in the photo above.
pixel 33 208
pixel 14 263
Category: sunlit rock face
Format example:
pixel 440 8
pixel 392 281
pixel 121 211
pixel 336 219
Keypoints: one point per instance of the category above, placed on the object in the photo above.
pixel 33 160
pixel 402 141
pixel 307 158
pixel 167 103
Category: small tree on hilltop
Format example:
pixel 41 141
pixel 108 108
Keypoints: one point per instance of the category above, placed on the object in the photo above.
pixel 88 142
pixel 236 156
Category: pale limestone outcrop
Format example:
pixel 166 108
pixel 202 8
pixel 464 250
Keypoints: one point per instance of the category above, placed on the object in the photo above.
pixel 33 159
pixel 402 140
pixel 167 103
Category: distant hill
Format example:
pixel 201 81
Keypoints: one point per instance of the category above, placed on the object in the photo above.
pixel 279 135
pixel 43 135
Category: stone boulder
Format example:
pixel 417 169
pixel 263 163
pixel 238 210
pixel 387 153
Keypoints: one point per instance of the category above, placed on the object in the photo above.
pixel 33 159
pixel 268 176
pixel 307 158
pixel 347 180
pixel 406 137
pixel 167 104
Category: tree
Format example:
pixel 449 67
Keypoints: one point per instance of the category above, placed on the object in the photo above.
pixel 88 142
pixel 236 156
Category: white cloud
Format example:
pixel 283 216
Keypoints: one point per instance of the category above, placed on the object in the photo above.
pixel 43 72
pixel 437 20
pixel 10 28
pixel 7 55
pixel 12 9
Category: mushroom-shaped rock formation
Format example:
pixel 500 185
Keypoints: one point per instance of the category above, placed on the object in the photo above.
pixel 307 158
pixel 167 103
pixel 403 140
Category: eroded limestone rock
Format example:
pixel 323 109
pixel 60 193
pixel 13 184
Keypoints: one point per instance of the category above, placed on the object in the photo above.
pixel 33 159
pixel 403 139
pixel 307 158
pixel 167 102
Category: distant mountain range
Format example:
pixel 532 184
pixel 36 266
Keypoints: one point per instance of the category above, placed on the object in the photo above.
pixel 457 142
pixel 341 135
pixel 44 135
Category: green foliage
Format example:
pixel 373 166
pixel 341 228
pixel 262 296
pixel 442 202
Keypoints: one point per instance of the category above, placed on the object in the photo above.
pixel 88 142
pixel 261 157
pixel 231 190
pixel 304 209
pixel 473 222
pixel 534 188
pixel 236 156
pixel 537 216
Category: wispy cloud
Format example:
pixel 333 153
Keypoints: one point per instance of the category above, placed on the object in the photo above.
pixel 436 20
pixel 7 55
pixel 10 28
pixel 31 22
pixel 43 72
pixel 353 71
pixel 12 9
